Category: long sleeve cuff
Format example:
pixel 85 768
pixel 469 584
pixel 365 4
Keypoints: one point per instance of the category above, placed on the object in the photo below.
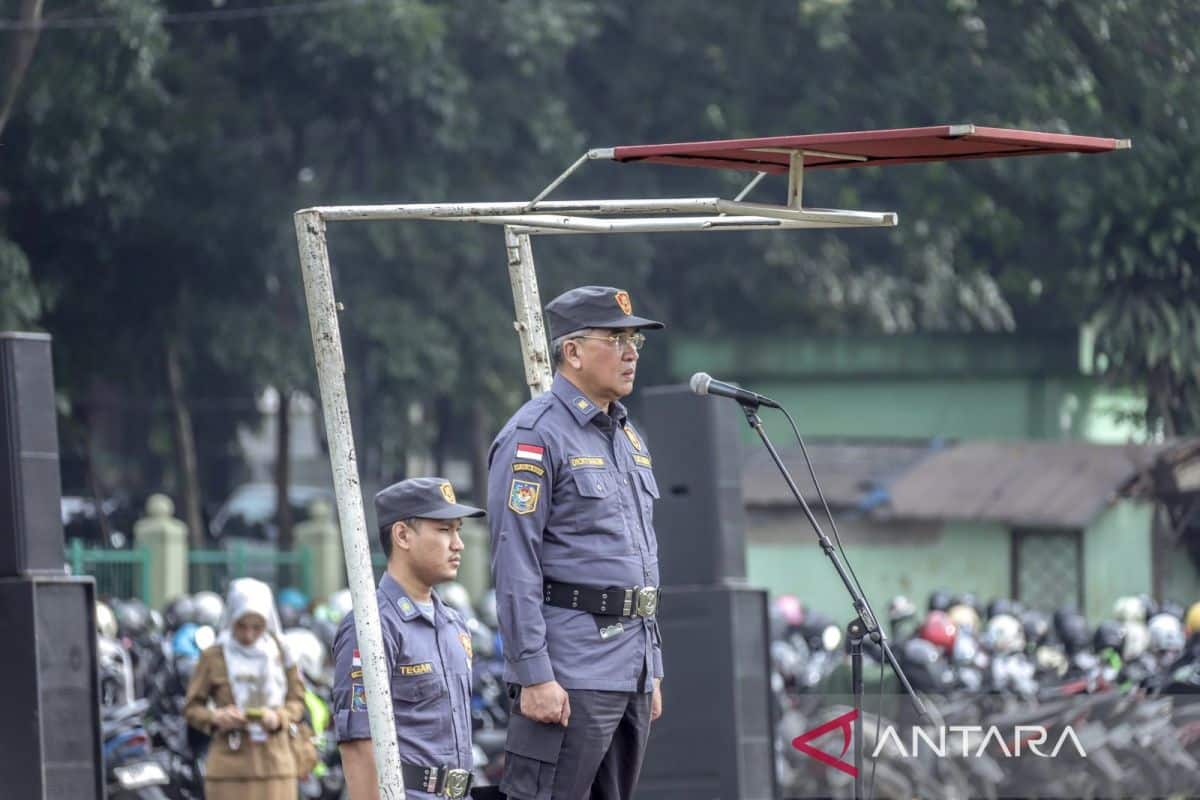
pixel 534 670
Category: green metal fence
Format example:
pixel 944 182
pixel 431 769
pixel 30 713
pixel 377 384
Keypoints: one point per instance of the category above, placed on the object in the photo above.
pixel 214 569
pixel 118 573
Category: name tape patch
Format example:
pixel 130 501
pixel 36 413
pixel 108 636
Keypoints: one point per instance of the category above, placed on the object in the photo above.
pixel 408 670
pixel 534 468
pixel 587 461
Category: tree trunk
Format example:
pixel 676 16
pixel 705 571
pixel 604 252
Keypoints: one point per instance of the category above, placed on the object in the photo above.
pixel 185 447
pixel 22 53
pixel 283 478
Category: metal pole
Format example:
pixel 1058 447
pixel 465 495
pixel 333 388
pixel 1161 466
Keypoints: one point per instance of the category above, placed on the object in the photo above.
pixel 795 198
pixel 331 374
pixel 529 325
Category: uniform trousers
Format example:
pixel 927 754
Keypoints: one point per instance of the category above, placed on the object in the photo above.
pixel 601 751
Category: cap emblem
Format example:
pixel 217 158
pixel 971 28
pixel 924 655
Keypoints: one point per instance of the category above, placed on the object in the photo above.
pixel 448 493
pixel 624 302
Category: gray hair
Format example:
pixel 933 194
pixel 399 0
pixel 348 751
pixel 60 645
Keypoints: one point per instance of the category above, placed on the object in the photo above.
pixel 556 348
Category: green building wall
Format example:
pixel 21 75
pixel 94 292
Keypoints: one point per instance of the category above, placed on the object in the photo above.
pixel 1116 557
pixel 890 558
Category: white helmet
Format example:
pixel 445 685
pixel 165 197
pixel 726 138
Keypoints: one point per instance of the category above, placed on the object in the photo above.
pixel 965 617
pixel 1129 609
pixel 308 651
pixel 1166 634
pixel 1006 634
pixel 1136 641
pixel 106 621
pixel 341 603
pixel 210 607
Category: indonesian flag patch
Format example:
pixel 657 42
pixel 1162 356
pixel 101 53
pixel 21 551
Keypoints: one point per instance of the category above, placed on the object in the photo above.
pixel 530 451
pixel 356 661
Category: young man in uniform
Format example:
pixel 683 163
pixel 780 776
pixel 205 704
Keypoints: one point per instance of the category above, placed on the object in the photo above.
pixel 427 645
pixel 575 563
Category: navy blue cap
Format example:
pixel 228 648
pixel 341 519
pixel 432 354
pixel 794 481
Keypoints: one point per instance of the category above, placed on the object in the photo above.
pixel 428 498
pixel 593 307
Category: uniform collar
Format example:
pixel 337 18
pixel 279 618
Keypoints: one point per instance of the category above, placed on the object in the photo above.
pixel 581 408
pixel 404 605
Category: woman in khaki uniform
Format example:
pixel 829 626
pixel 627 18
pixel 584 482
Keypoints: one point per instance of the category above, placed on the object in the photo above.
pixel 246 693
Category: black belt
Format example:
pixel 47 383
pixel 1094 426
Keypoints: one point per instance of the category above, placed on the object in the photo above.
pixel 443 781
pixel 639 601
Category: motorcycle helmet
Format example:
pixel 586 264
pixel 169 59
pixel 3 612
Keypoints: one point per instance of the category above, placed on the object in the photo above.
pixel 178 612
pixel 1135 640
pixel 790 610
pixel 939 600
pixel 340 604
pixel 1000 605
pixel 1036 627
pixel 1166 634
pixel 308 652
pixel 1129 609
pixel 106 621
pixel 900 609
pixel 1150 605
pixel 133 617
pixel 965 617
pixel 1052 660
pixel 1108 636
pixel 939 630
pixel 966 599
pixel 924 666
pixel 1005 634
pixel 183 642
pixel 208 608
pixel 1191 621
pixel 292 597
pixel 1071 628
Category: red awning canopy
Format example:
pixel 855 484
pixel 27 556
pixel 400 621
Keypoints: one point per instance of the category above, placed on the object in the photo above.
pixel 867 148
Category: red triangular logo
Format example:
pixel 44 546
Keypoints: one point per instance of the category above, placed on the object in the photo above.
pixel 844 722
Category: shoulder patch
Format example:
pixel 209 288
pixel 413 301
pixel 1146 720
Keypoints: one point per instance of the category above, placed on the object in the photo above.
pixel 523 496
pixel 534 468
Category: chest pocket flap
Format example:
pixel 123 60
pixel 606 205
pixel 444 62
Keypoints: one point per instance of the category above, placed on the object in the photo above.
pixel 596 484
pixel 414 690
pixel 649 483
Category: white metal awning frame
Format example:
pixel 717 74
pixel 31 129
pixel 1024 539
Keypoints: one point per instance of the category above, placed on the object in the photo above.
pixel 521 221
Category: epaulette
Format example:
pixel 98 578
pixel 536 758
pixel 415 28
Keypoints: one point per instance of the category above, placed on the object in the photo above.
pixel 532 411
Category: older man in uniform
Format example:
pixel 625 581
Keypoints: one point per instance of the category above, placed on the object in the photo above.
pixel 575 563
pixel 427 645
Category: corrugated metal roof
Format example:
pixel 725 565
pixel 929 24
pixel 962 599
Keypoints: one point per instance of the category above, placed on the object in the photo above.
pixel 848 472
pixel 1035 484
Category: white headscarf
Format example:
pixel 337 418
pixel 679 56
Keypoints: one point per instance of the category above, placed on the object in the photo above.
pixel 257 673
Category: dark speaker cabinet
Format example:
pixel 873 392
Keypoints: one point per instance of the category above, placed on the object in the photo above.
pixel 50 740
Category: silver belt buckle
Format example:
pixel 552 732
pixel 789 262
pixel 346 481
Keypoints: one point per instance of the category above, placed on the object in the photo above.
pixel 457 782
pixel 647 601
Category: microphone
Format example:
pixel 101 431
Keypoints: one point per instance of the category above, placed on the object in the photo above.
pixel 703 383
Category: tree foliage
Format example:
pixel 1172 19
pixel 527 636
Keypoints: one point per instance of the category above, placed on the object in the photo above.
pixel 150 170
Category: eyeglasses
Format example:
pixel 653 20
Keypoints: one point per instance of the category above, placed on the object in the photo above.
pixel 620 341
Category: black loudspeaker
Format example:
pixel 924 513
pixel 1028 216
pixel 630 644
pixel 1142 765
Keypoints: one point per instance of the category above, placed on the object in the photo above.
pixel 700 519
pixel 31 534
pixel 714 740
pixel 50 739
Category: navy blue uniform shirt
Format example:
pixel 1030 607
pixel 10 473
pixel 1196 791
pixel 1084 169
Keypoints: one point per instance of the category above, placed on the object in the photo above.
pixel 430 667
pixel 571 496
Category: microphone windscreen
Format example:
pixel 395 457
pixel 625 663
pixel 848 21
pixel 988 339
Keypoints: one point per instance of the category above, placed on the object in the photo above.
pixel 699 382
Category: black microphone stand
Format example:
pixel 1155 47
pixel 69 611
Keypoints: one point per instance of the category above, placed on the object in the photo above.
pixel 863 626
